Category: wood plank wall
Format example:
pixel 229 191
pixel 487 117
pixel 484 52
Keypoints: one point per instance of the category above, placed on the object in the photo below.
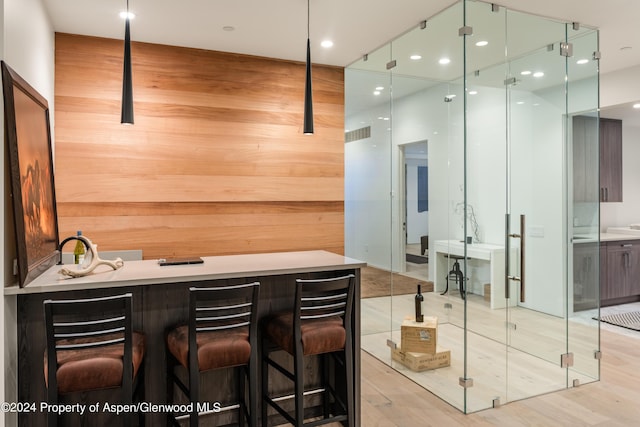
pixel 216 162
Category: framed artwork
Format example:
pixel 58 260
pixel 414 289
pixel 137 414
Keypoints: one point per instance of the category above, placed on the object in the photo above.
pixel 28 135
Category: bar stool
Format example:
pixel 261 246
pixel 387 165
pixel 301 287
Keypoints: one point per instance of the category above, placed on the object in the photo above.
pixel 221 333
pixel 456 275
pixel 90 346
pixel 320 324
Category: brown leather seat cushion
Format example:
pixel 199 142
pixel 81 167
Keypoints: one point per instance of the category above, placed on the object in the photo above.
pixel 94 368
pixel 318 335
pixel 218 349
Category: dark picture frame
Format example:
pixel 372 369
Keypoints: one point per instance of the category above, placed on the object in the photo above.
pixel 28 136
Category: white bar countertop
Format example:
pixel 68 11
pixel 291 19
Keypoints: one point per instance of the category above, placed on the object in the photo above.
pixel 611 235
pixel 149 272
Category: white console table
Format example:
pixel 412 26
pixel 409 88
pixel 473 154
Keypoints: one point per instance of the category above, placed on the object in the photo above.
pixel 485 252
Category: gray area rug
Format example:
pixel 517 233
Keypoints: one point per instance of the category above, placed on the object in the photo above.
pixel 629 320
pixel 417 259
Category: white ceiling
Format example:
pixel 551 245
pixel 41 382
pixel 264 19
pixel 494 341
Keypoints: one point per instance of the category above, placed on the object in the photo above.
pixel 278 28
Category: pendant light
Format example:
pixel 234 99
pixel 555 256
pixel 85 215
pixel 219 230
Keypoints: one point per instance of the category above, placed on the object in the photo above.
pixel 127 82
pixel 308 102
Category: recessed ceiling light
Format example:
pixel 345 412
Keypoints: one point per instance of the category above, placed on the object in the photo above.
pixel 326 44
pixel 538 74
pixel 228 28
pixel 582 61
pixel 376 92
pixel 473 92
pixel 520 102
pixel 124 14
pixel 636 105
pixel 525 72
pixel 415 57
pixel 444 61
pixel 386 118
pixel 380 88
pixel 482 43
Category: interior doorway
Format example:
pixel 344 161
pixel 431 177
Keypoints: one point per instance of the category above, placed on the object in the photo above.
pixel 415 208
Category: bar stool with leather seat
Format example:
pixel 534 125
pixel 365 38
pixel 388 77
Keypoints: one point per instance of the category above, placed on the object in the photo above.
pixel 319 324
pixel 221 333
pixel 91 345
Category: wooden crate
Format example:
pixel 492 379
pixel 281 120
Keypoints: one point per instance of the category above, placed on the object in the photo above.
pixel 419 337
pixel 487 292
pixel 422 361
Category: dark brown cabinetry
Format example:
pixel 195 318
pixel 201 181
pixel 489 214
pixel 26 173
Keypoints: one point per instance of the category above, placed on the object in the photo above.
pixel 610 160
pixel 585 159
pixel 621 272
pixel 586 260
pixel 588 159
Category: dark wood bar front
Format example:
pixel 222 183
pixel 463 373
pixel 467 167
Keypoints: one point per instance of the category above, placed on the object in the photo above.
pixel 160 296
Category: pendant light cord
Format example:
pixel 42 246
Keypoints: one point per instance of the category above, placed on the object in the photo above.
pixel 308 17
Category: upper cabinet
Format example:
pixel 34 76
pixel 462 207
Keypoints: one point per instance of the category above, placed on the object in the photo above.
pixel 610 160
pixel 587 160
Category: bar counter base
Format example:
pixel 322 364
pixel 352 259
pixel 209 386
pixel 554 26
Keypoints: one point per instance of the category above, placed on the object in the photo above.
pixel 158 305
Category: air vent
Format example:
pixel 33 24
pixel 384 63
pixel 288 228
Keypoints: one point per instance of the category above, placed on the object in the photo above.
pixel 357 134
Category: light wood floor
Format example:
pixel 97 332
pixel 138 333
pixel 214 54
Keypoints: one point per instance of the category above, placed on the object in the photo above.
pixel 390 399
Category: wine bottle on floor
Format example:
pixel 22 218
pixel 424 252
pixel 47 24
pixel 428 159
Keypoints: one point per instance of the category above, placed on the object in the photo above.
pixel 418 300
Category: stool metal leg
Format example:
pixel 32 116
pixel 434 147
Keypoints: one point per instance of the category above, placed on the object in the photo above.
pixel 299 387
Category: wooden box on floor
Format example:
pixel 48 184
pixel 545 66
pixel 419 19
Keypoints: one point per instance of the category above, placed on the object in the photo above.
pixel 487 292
pixel 422 361
pixel 419 337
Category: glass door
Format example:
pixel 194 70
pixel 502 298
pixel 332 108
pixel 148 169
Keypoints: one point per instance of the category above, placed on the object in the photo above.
pixel 516 79
pixel 536 200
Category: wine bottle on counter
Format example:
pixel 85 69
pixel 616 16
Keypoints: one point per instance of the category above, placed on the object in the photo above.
pixel 418 299
pixel 78 251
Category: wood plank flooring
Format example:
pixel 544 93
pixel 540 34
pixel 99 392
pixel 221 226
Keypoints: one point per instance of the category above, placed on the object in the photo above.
pixel 390 399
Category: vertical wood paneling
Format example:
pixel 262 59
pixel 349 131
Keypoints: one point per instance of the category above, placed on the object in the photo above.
pixel 216 162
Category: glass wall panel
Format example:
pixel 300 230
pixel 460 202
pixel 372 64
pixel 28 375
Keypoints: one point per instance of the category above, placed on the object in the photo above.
pixel 455 131
pixel 428 107
pixel 487 173
pixel 367 208
pixel 583 206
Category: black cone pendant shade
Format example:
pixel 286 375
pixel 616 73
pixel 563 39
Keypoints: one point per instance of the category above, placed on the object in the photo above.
pixel 127 82
pixel 308 101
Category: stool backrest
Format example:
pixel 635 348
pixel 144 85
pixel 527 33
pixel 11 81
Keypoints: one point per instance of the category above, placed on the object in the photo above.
pixel 82 324
pixel 223 308
pixel 322 299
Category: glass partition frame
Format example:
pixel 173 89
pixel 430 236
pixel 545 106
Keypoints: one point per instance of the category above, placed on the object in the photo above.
pixel 484 133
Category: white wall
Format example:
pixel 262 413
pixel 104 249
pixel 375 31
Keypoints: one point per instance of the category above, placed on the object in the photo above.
pixel 417 222
pixel 367 194
pixel 28 47
pixel 373 226
pixel 537 183
pixel 619 87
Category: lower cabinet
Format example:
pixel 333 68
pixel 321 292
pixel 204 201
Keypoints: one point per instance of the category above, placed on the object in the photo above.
pixel 621 270
pixel 585 275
